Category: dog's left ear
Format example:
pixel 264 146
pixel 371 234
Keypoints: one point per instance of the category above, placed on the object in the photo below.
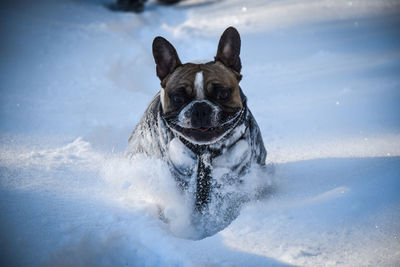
pixel 165 56
pixel 229 49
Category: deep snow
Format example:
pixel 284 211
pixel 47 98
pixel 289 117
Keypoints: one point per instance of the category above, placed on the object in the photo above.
pixel 322 80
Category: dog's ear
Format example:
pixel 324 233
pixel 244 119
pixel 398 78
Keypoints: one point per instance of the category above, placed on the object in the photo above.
pixel 229 49
pixel 165 56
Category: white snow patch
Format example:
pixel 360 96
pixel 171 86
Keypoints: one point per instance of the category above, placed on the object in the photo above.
pixel 180 155
pixel 238 153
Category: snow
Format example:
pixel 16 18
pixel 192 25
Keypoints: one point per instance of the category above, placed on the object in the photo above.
pixel 321 79
pixel 181 156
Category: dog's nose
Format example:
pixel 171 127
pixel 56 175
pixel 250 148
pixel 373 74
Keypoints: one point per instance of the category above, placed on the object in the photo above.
pixel 201 115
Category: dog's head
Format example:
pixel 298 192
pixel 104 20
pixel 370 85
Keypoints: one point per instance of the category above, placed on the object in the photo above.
pixel 201 102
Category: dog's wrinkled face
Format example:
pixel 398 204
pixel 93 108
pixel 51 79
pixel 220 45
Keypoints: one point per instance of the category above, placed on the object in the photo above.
pixel 201 102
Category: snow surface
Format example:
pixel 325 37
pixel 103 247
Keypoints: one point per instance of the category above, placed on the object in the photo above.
pixel 322 80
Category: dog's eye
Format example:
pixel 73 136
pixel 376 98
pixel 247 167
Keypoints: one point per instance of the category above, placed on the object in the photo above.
pixel 178 99
pixel 223 94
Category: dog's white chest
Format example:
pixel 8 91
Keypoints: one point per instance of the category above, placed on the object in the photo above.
pixel 235 155
pixel 181 156
pixel 228 163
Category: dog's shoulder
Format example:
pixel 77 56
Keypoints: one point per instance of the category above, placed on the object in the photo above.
pixel 259 152
pixel 145 136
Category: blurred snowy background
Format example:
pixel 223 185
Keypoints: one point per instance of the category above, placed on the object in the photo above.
pixel 322 79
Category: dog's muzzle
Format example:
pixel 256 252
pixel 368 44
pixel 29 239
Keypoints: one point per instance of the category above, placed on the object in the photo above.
pixel 202 122
pixel 201 114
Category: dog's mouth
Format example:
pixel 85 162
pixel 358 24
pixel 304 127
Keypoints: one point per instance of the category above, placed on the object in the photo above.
pixel 205 129
pixel 207 135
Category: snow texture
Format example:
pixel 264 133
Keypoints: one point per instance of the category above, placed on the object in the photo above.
pixel 322 81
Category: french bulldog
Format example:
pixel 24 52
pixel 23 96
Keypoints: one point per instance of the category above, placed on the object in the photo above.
pixel 199 122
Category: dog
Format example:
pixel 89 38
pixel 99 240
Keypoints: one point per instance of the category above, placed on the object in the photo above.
pixel 199 122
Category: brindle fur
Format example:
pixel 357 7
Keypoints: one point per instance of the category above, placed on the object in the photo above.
pixel 213 73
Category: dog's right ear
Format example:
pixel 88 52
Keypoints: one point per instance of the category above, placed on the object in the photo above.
pixel 229 49
pixel 165 56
